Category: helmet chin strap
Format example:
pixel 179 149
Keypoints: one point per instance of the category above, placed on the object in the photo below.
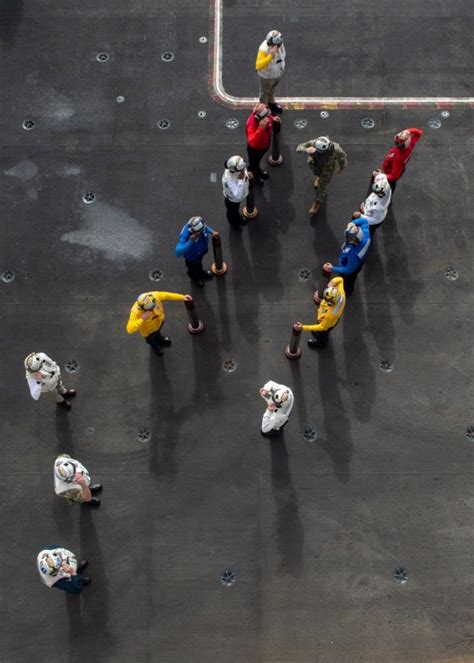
pixel 68 479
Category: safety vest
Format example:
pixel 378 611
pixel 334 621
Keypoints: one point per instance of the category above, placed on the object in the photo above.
pixel 277 66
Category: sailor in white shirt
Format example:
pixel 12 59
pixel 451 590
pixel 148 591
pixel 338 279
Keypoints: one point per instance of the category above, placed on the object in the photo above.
pixel 235 187
pixel 375 206
pixel 73 481
pixel 270 65
pixel 44 377
pixel 280 401
pixel 59 568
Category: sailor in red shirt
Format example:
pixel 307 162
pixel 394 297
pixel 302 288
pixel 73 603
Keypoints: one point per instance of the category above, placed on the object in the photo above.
pixel 259 138
pixel 397 158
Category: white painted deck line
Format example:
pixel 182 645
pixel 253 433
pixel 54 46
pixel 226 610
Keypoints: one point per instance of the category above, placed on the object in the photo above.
pixel 302 102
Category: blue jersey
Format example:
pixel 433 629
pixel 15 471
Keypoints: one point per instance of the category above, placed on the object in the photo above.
pixel 190 250
pixel 352 256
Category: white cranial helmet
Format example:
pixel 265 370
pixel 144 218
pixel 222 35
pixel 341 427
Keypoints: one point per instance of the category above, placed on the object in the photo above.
pixel 279 396
pixel 146 301
pixel 322 143
pixel 380 184
pixel 235 164
pixel 50 563
pixel 275 38
pixel 330 294
pixel 354 233
pixel 196 224
pixel 403 139
pixel 33 362
pixel 65 470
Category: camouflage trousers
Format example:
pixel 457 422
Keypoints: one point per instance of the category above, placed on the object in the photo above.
pixel 321 184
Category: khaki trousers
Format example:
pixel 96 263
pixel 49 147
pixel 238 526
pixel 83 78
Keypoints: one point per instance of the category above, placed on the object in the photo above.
pixel 267 89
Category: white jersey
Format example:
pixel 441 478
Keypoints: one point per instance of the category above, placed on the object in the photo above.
pixel 234 189
pixel 276 419
pixel 375 207
pixel 65 555
pixel 61 486
pixel 276 67
pixel 45 379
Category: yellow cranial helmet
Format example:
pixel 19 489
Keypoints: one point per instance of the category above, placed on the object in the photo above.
pixel 330 294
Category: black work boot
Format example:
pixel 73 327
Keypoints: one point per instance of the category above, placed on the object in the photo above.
pixel 275 108
pixel 66 405
pixel 85 580
pixel 93 502
pixel 82 564
pixel 95 488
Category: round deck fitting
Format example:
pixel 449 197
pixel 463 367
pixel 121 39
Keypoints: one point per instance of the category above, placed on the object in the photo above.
pixel 72 366
pixel 155 275
pixel 8 275
pixel 367 123
pixel 144 434
pixel 88 197
pixel 300 123
pixel 227 578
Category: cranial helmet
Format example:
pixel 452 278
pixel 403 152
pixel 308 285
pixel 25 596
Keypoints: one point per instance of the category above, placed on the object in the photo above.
pixel 380 184
pixel 196 224
pixel 354 233
pixel 403 139
pixel 146 301
pixel 279 396
pixel 235 164
pixel 261 111
pixel 330 294
pixel 50 563
pixel 274 38
pixel 65 470
pixel 33 362
pixel 322 143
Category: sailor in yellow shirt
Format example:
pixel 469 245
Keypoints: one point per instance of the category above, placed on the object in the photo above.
pixel 270 65
pixel 147 316
pixel 331 306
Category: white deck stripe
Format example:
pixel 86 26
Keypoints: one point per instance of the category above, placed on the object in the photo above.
pixel 301 102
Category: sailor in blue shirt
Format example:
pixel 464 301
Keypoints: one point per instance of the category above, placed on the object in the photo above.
pixel 353 253
pixel 193 245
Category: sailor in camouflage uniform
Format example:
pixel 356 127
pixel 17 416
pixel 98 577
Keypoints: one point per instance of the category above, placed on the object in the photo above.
pixel 323 154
